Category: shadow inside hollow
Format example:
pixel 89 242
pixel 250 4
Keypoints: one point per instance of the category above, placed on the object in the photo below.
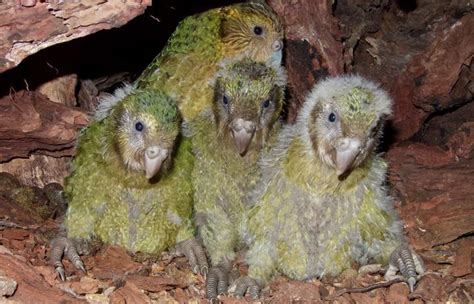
pixel 129 48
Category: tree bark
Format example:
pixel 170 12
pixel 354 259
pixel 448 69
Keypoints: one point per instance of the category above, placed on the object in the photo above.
pixel 29 26
pixel 29 122
pixel 313 47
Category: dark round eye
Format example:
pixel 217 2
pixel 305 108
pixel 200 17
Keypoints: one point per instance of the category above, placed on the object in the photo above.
pixel 258 30
pixel 332 117
pixel 266 103
pixel 225 100
pixel 139 126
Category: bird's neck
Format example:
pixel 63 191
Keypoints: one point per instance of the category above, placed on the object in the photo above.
pixel 118 170
pixel 305 168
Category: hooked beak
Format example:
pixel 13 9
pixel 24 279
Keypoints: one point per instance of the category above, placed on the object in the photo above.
pixel 154 157
pixel 242 131
pixel 277 55
pixel 347 150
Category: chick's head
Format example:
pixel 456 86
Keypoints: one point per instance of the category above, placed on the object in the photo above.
pixel 252 29
pixel 344 118
pixel 146 126
pixel 248 100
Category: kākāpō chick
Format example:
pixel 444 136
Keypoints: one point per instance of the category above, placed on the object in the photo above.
pixel 186 65
pixel 130 183
pixel 227 141
pixel 321 203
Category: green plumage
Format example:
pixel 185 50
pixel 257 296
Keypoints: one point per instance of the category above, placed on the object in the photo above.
pixel 222 177
pixel 189 61
pixel 111 198
pixel 308 220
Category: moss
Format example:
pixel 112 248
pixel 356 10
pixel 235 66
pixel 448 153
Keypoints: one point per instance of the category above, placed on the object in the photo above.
pixel 33 200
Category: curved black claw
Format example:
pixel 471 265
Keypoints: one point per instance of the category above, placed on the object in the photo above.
pixel 217 280
pixel 68 247
pixel 406 261
pixel 246 285
pixel 194 252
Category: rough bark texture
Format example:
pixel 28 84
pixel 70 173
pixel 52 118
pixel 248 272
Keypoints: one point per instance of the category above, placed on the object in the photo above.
pixel 38 170
pixel 313 46
pixel 31 285
pixel 61 90
pixel 432 179
pixel 434 188
pixel 26 29
pixel 29 122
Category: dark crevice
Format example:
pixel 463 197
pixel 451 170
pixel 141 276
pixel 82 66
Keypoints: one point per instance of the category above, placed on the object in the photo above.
pixel 465 235
pixel 407 6
pixel 128 49
pixel 420 136
pixel 334 7
pixel 388 138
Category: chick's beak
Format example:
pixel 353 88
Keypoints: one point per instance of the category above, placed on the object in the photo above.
pixel 154 157
pixel 277 55
pixel 347 150
pixel 242 132
pixel 277 45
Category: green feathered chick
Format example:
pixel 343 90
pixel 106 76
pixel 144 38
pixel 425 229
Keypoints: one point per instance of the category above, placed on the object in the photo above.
pixel 321 203
pixel 227 142
pixel 190 59
pixel 130 183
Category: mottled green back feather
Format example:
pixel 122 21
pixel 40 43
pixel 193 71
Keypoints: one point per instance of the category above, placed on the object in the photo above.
pixel 190 59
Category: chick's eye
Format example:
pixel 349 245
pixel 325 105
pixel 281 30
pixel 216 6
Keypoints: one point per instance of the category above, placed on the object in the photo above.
pixel 258 30
pixel 266 103
pixel 225 100
pixel 332 117
pixel 139 126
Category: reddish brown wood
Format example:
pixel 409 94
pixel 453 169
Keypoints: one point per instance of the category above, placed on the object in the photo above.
pixel 426 84
pixel 114 263
pixel 419 56
pixel 29 26
pixel 129 294
pixel 29 122
pixel 313 46
pixel 433 186
pixel 31 285
pixel 463 260
pixel 155 284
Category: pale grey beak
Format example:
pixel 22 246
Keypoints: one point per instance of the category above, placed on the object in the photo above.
pixel 275 59
pixel 277 56
pixel 347 150
pixel 242 131
pixel 154 157
pixel 277 45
